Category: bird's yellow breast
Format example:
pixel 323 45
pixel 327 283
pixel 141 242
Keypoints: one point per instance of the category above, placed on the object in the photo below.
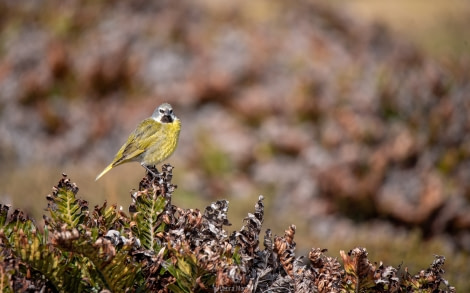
pixel 163 144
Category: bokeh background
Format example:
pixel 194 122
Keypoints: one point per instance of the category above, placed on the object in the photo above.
pixel 350 117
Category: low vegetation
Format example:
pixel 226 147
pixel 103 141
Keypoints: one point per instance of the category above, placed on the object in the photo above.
pixel 159 247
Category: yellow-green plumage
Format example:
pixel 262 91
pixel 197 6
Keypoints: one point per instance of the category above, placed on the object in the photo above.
pixel 153 141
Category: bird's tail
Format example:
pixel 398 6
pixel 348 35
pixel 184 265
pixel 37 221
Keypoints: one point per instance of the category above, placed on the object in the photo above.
pixel 104 171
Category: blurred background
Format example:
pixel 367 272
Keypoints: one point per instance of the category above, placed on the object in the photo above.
pixel 350 117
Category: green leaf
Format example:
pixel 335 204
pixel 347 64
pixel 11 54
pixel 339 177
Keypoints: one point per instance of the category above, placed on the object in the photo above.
pixel 149 209
pixel 64 207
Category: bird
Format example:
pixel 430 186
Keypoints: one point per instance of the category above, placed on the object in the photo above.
pixel 153 141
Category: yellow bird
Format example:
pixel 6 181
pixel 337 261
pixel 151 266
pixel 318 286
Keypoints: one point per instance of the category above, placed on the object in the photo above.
pixel 153 141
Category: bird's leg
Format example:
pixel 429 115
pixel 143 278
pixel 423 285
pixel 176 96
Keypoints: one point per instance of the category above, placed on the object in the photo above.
pixel 150 171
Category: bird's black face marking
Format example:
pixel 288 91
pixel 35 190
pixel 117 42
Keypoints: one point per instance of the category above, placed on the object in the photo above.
pixel 167 119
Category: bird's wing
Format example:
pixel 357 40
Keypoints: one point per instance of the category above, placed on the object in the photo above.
pixel 138 141
pixel 146 134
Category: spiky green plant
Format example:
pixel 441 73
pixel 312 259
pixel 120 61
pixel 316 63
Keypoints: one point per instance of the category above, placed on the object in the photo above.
pixel 159 247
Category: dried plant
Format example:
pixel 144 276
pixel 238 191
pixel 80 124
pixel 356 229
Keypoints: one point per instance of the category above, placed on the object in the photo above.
pixel 159 247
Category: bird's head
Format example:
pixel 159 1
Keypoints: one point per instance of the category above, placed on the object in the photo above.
pixel 164 114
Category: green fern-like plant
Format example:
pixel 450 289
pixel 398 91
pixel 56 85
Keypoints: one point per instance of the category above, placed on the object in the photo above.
pixel 189 275
pixel 147 214
pixel 159 247
pixel 73 252
pixel 114 266
pixel 64 207
pixel 21 236
pixel 109 266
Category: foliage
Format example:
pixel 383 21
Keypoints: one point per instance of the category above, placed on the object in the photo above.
pixel 159 247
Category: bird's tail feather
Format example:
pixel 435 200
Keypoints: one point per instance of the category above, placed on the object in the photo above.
pixel 104 171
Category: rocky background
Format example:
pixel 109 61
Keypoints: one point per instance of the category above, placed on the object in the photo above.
pixel 349 130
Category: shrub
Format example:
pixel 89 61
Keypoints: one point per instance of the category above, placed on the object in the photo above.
pixel 158 247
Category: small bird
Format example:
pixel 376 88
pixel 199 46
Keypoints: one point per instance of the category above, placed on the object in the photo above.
pixel 153 141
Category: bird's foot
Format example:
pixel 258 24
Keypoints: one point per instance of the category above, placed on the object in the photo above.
pixel 151 170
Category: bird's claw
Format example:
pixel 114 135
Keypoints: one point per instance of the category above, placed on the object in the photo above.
pixel 150 171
